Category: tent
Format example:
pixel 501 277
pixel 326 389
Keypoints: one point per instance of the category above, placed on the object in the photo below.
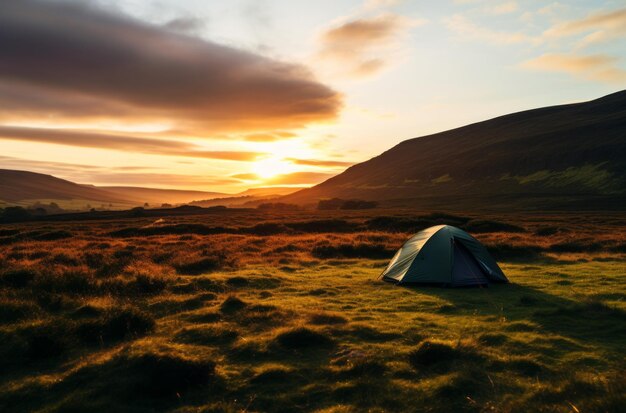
pixel 443 255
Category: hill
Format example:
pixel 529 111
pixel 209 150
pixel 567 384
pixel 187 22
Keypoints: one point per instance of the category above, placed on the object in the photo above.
pixel 28 188
pixel 157 196
pixel 18 186
pixel 269 191
pixel 568 156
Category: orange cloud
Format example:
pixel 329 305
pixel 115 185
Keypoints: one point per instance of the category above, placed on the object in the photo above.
pixel 593 67
pixel 299 178
pixel 246 177
pixel 268 137
pixel 600 26
pixel 72 60
pixel 467 29
pixel 311 162
pixel 120 142
pixel 361 47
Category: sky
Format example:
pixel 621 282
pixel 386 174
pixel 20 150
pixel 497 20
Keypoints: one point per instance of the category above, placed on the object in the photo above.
pixel 229 95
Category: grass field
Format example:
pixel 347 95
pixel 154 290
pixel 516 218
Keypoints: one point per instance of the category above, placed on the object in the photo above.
pixel 259 311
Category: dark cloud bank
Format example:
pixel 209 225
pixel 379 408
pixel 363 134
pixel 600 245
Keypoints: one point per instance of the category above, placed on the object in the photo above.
pixel 69 60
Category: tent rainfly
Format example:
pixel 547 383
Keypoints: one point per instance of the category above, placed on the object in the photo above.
pixel 446 256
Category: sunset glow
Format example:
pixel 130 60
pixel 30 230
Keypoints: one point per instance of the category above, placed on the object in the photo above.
pixel 271 167
pixel 248 107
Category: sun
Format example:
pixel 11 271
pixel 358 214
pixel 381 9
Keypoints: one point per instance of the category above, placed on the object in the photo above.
pixel 271 167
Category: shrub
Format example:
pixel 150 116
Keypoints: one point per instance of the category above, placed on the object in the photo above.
pixel 14 214
pixel 329 204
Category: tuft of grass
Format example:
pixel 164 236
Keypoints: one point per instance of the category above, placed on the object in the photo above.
pixel 232 304
pixel 439 354
pixel 273 376
pixel 115 325
pixel 18 277
pixel 301 338
pixel 493 339
pixel 207 335
pixel 199 265
pixel 327 318
pixel 480 226
pixel 43 345
pixel 515 253
pixel 352 251
pixel 165 375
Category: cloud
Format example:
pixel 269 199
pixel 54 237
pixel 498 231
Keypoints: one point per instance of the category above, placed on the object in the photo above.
pixel 185 24
pixel 68 60
pixel 593 67
pixel 156 180
pixel 311 162
pixel 502 8
pixel 151 146
pixel 379 4
pixel 600 27
pixel 268 137
pixel 246 177
pixel 9 162
pixel 299 178
pixel 362 46
pixel 467 29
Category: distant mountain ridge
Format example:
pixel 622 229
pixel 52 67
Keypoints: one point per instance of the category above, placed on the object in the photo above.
pixel 24 185
pixel 568 153
pixel 160 195
pixel 31 187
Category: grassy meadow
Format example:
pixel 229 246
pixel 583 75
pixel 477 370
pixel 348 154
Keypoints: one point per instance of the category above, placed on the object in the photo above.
pixel 248 310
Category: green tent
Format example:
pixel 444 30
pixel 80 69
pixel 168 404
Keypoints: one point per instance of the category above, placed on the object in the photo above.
pixel 443 255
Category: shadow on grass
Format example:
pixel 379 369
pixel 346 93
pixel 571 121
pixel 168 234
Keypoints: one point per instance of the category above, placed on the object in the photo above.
pixel 590 321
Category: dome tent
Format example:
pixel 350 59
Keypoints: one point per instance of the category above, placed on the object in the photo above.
pixel 443 255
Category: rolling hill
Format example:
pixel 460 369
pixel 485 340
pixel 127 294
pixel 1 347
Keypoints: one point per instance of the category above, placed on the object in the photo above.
pixel 568 156
pixel 158 196
pixel 26 188
pixel 16 186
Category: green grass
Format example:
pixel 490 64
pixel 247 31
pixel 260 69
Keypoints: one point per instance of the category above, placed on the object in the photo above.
pixel 285 313
pixel 333 338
